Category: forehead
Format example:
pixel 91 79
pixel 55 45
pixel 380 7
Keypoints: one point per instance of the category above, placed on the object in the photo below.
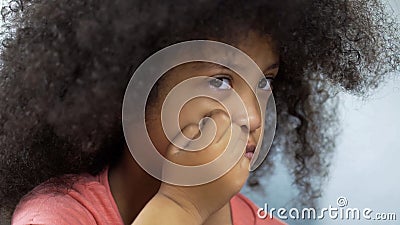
pixel 261 49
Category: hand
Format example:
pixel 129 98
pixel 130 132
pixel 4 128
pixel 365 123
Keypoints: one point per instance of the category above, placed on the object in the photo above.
pixel 201 201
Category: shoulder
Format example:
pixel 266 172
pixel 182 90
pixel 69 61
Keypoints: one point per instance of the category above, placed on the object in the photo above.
pixel 56 208
pixel 244 211
pixel 87 201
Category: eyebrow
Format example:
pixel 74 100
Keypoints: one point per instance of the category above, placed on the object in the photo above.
pixel 218 66
pixel 271 67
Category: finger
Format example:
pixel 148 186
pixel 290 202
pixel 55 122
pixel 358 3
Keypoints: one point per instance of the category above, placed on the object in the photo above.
pixel 183 138
pixel 222 121
pixel 233 137
pixel 212 126
pixel 183 156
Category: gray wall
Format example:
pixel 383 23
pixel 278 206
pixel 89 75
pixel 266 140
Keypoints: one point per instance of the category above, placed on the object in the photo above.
pixel 366 166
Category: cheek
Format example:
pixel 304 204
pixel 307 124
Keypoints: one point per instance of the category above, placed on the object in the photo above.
pixel 154 129
pixel 196 109
pixel 191 113
pixel 257 134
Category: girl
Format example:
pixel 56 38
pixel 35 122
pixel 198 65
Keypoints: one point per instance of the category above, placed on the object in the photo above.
pixel 66 65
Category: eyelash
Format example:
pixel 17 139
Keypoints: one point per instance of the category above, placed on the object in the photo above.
pixel 218 81
pixel 270 80
pixel 213 82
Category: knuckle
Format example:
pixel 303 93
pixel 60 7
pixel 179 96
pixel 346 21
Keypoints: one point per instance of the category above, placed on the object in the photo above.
pixel 220 115
pixel 191 129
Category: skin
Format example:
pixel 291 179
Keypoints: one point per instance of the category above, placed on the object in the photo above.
pixel 140 198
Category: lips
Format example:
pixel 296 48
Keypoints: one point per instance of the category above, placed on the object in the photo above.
pixel 250 148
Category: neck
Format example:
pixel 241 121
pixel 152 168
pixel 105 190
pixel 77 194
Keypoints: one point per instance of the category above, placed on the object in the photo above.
pixel 131 187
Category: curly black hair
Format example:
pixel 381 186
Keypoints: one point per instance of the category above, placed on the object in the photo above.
pixel 65 66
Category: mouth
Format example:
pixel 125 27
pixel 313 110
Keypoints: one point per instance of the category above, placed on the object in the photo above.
pixel 250 148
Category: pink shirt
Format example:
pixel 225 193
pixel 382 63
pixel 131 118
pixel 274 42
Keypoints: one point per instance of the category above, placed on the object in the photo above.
pixel 90 201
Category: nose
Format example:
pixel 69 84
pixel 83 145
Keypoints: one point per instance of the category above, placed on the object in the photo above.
pixel 252 120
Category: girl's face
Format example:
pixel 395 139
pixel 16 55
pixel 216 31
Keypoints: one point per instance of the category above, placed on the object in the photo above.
pixel 262 51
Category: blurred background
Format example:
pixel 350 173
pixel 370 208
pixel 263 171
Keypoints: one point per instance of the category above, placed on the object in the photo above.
pixel 366 166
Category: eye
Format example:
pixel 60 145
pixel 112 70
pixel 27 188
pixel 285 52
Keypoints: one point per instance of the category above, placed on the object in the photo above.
pixel 223 83
pixel 265 83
